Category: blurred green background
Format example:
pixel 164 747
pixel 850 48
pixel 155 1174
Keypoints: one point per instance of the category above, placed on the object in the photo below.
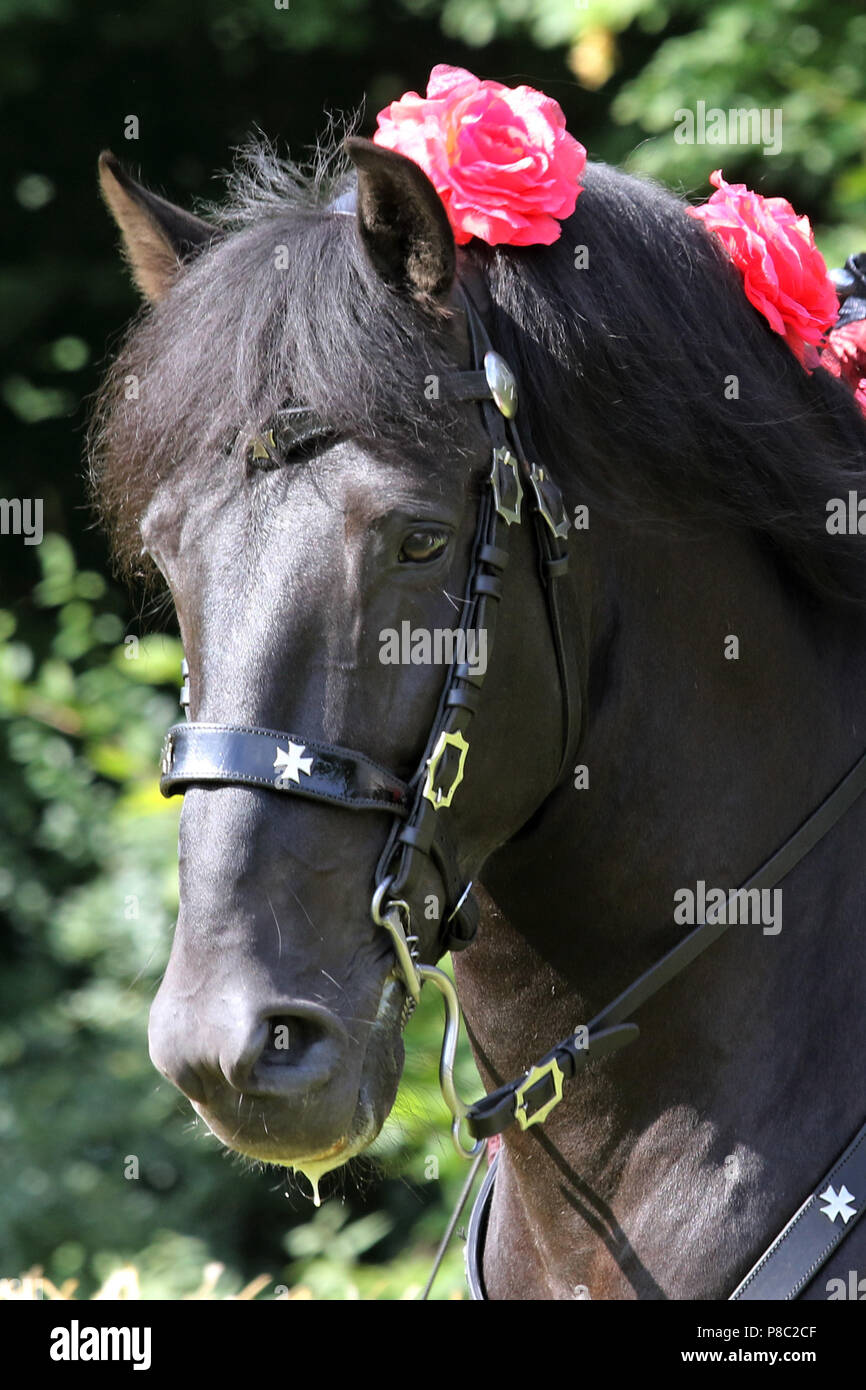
pixel 88 671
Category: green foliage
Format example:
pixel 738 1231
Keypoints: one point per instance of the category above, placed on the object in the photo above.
pixel 804 58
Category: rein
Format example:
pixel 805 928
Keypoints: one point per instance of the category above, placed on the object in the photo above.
pixel 206 754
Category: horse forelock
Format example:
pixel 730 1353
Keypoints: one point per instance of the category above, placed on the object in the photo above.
pixel 283 310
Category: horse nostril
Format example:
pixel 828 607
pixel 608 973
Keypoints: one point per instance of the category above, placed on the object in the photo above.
pixel 286 1051
pixel 284 1048
pixel 288 1040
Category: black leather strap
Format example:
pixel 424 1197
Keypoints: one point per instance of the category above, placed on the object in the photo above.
pixel 237 753
pixel 851 290
pixel 400 859
pixel 498 1110
pixel 426 832
pixel 544 500
pixel 466 386
pixel 810 1237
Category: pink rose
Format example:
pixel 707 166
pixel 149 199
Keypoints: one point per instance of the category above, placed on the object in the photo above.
pixel 499 157
pixel 784 274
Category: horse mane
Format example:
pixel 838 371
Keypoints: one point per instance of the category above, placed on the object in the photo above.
pixel 636 350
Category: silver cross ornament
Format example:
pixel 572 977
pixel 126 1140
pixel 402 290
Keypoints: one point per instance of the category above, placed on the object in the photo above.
pixel 292 763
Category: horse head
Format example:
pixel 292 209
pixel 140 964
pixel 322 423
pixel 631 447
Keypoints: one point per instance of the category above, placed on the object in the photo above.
pixel 308 462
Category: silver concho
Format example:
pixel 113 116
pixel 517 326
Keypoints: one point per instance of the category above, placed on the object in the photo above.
pixel 503 387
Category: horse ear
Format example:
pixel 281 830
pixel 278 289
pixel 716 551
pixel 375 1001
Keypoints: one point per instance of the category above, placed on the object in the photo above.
pixel 157 236
pixel 402 221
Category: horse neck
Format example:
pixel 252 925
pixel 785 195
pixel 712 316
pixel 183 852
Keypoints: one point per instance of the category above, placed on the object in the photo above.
pixel 700 763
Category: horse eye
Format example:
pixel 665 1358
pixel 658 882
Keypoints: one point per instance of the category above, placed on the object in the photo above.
pixel 420 547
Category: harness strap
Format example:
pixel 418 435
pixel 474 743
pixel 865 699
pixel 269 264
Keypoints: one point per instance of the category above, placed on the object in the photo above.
pixel 550 520
pixel 530 1099
pixel 441 767
pixel 513 480
pixel 811 1236
pixel 553 566
pixel 477 1234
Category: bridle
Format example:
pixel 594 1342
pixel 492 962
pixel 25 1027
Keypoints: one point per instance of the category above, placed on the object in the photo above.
pixel 202 753
pixel 205 754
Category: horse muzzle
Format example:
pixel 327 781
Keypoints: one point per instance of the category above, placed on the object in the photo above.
pixel 280 1082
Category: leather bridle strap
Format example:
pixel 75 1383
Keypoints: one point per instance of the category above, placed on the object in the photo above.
pixel 812 1235
pixel 224 754
pixel 530 1099
pixel 552 527
pixel 240 753
pixel 788 1265
pixel 514 485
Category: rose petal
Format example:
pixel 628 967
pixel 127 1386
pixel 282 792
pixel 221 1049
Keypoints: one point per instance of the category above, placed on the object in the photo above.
pixel 784 274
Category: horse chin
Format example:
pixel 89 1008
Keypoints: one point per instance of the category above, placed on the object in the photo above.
pixel 313 1166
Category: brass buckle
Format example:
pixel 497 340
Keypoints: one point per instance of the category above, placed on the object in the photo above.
pixel 549 501
pixel 507 491
pixel 439 797
pixel 263 446
pixel 532 1077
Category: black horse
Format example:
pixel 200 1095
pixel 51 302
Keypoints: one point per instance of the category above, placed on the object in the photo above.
pixel 282 437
